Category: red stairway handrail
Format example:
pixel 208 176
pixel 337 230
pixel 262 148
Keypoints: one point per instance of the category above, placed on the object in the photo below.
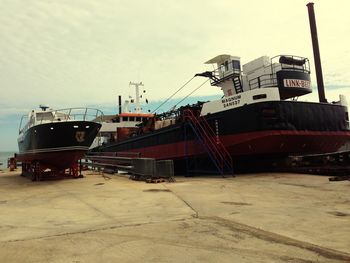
pixel 208 139
pixel 208 135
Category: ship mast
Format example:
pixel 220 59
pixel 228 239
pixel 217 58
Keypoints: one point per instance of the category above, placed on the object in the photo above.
pixel 316 50
pixel 137 95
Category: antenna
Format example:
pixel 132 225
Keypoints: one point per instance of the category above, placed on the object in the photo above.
pixel 137 95
pixel 43 107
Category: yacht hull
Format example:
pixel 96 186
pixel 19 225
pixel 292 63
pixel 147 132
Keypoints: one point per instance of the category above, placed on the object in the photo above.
pixel 57 145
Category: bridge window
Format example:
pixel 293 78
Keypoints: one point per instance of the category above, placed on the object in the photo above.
pixel 259 97
pixel 236 64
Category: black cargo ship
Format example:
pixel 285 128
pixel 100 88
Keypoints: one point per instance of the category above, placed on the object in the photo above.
pixel 259 116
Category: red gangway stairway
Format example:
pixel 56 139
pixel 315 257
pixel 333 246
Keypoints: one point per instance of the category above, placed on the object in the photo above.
pixel 210 141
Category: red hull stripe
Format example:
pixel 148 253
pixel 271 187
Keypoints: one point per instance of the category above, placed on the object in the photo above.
pixel 266 142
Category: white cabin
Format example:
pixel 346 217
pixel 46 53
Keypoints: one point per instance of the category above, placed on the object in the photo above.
pixel 263 79
pixel 289 74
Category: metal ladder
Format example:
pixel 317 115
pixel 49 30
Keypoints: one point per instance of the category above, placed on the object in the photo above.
pixel 237 84
pixel 212 144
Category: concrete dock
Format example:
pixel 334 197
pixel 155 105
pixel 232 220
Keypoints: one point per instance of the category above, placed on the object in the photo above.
pixel 109 218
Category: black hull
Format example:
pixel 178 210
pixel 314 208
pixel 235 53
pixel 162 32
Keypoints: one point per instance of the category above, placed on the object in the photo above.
pixel 266 128
pixel 57 145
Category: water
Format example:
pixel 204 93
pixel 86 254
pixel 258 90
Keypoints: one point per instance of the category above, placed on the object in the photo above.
pixel 3 158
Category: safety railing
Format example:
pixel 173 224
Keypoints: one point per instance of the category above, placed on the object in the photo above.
pixel 290 62
pixel 61 115
pixel 219 75
pixel 77 114
pixel 263 81
pixel 278 63
pixel 214 147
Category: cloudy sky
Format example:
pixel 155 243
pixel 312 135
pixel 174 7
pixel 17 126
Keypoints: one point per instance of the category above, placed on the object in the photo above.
pixel 68 53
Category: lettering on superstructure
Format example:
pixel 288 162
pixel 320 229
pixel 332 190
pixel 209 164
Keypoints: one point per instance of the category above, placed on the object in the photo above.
pixel 296 83
pixel 231 101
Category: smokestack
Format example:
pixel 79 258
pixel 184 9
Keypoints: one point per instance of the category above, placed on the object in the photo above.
pixel 316 50
pixel 120 104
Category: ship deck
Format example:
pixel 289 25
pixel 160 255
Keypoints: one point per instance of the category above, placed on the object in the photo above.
pixel 269 217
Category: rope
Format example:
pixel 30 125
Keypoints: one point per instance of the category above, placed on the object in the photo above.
pixel 191 93
pixel 173 95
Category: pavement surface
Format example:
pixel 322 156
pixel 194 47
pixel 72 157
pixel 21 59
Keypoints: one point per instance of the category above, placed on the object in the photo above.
pixel 109 218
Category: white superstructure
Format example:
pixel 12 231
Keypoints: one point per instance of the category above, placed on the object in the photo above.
pixel 262 79
pixel 126 120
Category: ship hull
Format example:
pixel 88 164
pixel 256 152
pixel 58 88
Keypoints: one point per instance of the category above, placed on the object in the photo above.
pixel 278 128
pixel 57 145
pixel 280 142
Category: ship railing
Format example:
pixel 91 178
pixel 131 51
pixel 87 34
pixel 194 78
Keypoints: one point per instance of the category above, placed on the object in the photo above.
pixel 222 73
pixel 278 63
pixel 74 114
pixel 290 63
pixel 26 126
pixel 62 115
pixel 263 81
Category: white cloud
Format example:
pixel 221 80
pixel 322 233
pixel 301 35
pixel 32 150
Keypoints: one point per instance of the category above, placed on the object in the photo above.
pixel 75 53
